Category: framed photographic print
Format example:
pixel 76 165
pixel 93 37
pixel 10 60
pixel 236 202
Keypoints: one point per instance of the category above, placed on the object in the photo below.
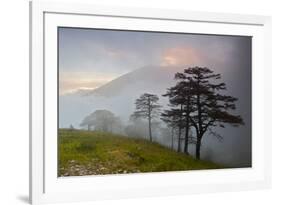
pixel 129 102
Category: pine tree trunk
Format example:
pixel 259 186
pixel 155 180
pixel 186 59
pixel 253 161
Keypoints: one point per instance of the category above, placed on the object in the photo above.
pixel 186 130
pixel 180 127
pixel 179 140
pixel 186 139
pixel 187 126
pixel 149 127
pixel 198 147
pixel 149 120
pixel 172 138
pixel 199 134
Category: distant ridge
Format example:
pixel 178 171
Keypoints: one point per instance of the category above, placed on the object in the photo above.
pixel 144 76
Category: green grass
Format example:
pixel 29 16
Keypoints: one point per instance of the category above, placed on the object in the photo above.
pixel 96 153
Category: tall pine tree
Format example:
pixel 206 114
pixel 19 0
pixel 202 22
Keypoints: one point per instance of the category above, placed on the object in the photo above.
pixel 178 113
pixel 147 107
pixel 197 100
pixel 212 108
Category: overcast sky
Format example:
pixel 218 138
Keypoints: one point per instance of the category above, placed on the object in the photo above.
pixel 89 58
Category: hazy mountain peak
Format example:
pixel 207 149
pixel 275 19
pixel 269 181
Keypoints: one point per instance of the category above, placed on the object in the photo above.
pixel 143 76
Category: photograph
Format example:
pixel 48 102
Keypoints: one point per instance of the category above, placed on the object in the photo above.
pixel 133 101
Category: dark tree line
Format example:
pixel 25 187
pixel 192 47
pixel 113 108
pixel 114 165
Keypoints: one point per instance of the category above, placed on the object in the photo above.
pixel 101 120
pixel 196 102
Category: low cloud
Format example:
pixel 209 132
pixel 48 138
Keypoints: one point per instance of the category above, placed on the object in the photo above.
pixel 70 82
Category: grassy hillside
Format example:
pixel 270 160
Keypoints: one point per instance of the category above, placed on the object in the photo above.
pixel 91 153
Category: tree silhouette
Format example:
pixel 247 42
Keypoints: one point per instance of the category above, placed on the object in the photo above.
pixel 147 107
pixel 174 116
pixel 71 127
pixel 173 119
pixel 102 120
pixel 180 98
pixel 88 122
pixel 211 107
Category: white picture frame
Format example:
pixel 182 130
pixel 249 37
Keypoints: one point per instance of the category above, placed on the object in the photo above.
pixel 46 187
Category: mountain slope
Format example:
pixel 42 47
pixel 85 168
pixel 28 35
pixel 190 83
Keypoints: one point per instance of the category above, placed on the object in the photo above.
pixel 139 79
pixel 96 153
pixel 119 97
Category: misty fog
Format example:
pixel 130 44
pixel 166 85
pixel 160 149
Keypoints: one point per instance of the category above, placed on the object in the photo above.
pixel 118 96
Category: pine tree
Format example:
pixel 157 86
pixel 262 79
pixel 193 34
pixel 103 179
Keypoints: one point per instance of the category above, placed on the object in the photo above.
pixel 212 108
pixel 147 107
pixel 175 115
pixel 197 100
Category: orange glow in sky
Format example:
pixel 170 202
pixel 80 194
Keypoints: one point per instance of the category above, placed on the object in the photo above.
pixel 180 56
